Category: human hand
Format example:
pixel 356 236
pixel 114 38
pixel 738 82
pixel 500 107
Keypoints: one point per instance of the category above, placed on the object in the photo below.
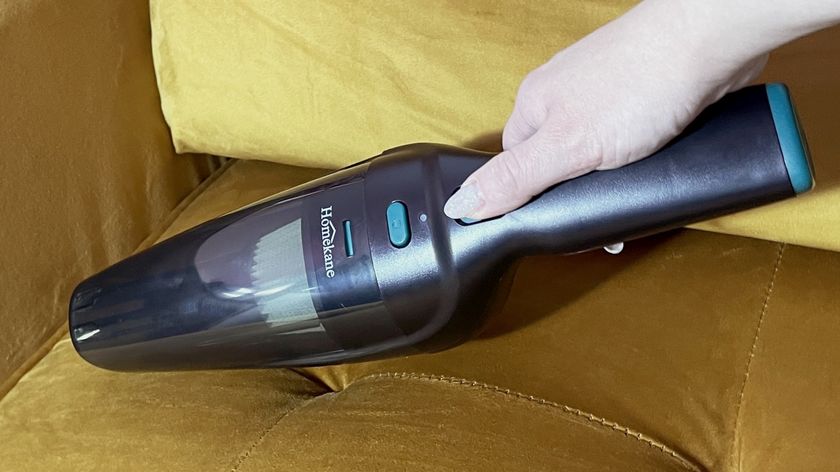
pixel 612 98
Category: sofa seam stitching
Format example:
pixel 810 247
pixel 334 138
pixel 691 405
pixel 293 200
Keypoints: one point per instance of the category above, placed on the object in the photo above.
pixel 243 456
pixel 751 356
pixel 592 418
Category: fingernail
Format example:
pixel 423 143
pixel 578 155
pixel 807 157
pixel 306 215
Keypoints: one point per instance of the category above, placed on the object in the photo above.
pixel 464 203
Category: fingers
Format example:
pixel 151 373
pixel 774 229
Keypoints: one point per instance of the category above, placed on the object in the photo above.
pixel 513 177
pixel 517 129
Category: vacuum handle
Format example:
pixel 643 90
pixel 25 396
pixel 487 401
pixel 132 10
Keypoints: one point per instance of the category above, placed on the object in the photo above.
pixel 744 151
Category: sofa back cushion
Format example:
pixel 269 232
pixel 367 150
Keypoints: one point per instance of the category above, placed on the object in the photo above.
pixel 326 83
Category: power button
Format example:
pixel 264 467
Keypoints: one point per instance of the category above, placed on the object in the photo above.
pixel 398 229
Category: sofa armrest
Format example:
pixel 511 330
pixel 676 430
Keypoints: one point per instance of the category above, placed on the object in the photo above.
pixel 87 165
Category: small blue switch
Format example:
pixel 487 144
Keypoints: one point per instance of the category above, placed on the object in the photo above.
pixel 398 230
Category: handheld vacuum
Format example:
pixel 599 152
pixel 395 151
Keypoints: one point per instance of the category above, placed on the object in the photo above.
pixel 363 263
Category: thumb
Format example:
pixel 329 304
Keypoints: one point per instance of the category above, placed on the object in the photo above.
pixel 511 178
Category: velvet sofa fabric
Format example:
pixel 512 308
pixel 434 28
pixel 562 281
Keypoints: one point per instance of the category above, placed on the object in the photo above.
pixel 689 351
pixel 88 168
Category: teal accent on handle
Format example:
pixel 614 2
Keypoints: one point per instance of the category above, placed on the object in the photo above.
pixel 791 140
pixel 398 229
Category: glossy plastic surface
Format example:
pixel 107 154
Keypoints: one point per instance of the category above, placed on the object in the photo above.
pixel 271 284
pixel 241 290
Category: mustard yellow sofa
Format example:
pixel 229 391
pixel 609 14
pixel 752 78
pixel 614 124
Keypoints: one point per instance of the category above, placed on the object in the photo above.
pixel 690 351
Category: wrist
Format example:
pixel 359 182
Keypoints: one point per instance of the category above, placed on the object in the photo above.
pixel 696 42
pixel 745 29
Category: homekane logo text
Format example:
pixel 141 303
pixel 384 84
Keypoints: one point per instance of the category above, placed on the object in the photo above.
pixel 327 239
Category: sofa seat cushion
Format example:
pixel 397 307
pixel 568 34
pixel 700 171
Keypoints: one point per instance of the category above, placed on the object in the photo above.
pixel 688 350
pixel 68 415
pixel 432 423
pixel 712 344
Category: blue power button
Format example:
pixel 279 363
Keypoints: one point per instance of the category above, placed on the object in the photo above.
pixel 398 230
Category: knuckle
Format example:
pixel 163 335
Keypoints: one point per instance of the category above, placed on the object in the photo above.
pixel 531 96
pixel 578 141
pixel 510 136
pixel 530 84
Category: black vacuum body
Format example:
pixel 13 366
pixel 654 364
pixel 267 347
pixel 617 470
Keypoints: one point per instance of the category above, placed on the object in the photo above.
pixel 363 263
